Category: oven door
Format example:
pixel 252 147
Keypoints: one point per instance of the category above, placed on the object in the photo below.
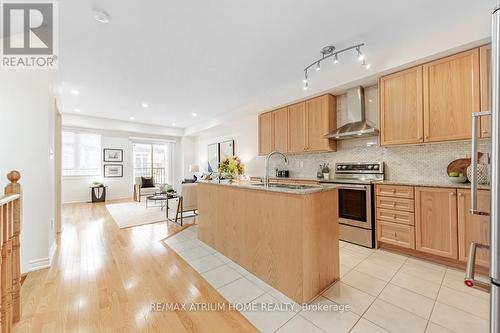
pixel 355 205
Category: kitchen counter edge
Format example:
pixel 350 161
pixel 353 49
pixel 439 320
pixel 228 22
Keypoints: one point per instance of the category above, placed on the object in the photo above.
pixel 248 185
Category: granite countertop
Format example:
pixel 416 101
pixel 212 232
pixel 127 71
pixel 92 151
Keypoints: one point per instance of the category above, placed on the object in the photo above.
pixel 289 178
pixel 257 186
pixel 442 184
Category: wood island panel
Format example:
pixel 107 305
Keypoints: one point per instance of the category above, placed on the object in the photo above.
pixel 288 240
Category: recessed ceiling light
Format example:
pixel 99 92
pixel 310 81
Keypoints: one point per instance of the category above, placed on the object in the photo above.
pixel 77 110
pixel 131 118
pixel 174 124
pixel 101 16
pixel 145 105
pixel 194 114
pixel 75 92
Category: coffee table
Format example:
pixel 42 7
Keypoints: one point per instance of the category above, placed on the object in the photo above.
pixel 162 198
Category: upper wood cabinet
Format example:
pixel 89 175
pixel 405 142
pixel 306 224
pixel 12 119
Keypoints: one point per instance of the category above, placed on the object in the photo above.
pixel 473 228
pixel 266 133
pixel 435 101
pixel 280 125
pixel 401 108
pixel 297 127
pixel 485 83
pixel 321 118
pixel 451 94
pixel 436 221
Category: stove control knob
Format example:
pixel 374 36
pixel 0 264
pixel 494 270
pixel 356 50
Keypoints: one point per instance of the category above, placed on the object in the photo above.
pixel 376 167
pixel 370 167
pixel 339 167
pixel 344 167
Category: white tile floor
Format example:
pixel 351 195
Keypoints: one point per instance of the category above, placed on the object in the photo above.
pixel 386 292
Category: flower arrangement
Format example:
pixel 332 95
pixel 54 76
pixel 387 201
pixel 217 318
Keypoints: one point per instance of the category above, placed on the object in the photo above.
pixel 231 166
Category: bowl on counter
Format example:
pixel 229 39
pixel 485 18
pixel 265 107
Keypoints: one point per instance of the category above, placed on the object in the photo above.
pixel 458 180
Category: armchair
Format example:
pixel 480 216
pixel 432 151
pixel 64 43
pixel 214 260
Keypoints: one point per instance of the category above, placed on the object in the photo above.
pixel 140 191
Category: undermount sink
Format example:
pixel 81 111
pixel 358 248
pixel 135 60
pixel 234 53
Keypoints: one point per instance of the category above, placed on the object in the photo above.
pixel 288 186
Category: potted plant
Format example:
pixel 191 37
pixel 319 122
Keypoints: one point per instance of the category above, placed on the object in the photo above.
pixel 230 167
pixel 325 168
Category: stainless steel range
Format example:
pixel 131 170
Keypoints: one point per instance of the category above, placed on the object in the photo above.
pixel 356 200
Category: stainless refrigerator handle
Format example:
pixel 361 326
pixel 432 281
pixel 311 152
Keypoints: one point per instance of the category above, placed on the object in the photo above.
pixel 495 198
pixel 470 269
pixel 473 187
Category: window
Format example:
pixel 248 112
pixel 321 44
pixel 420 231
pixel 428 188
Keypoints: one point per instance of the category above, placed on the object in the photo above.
pixel 154 160
pixel 81 154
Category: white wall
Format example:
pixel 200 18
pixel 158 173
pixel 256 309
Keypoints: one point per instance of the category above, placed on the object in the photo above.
pixel 26 127
pixel 76 189
pixel 118 134
pixel 245 133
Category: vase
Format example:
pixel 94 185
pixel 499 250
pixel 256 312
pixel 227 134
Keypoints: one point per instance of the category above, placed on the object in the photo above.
pixel 482 173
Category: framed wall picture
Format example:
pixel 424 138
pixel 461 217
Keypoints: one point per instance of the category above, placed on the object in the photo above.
pixel 213 157
pixel 113 155
pixel 226 149
pixel 113 170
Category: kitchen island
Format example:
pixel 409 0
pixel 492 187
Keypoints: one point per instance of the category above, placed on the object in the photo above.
pixel 286 236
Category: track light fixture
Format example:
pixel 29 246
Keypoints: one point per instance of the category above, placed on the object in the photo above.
pixel 361 57
pixel 330 51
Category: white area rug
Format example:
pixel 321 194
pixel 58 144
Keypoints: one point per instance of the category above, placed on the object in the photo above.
pixel 130 214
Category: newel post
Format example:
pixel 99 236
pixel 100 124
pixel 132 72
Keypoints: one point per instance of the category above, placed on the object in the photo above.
pixel 15 188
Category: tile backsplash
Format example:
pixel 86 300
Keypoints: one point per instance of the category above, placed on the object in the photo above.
pixel 424 163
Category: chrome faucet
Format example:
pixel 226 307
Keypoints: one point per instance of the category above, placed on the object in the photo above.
pixel 266 180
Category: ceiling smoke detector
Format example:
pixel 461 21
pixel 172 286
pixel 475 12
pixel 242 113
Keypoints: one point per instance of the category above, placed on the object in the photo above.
pixel 101 16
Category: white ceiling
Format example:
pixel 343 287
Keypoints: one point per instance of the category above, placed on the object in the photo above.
pixel 224 58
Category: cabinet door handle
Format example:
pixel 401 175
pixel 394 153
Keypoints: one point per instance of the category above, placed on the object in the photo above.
pixel 452 193
pixel 460 194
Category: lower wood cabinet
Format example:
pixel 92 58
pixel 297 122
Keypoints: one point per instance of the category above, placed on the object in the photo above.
pixel 396 234
pixel 473 228
pixel 437 222
pixel 436 229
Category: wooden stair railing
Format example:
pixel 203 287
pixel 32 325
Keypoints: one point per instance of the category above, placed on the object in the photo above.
pixel 10 269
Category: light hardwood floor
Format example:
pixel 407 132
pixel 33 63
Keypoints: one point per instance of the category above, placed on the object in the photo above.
pixel 104 279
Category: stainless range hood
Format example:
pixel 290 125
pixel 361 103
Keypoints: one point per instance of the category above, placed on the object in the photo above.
pixel 357 125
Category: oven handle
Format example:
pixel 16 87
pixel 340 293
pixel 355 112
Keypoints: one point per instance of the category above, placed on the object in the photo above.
pixel 353 187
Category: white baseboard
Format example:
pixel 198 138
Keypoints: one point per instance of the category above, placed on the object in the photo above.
pixel 38 264
pixel 42 263
pixel 107 199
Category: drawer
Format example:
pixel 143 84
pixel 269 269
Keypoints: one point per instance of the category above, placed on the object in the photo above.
pixel 395 203
pixel 397 191
pixel 395 216
pixel 396 234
